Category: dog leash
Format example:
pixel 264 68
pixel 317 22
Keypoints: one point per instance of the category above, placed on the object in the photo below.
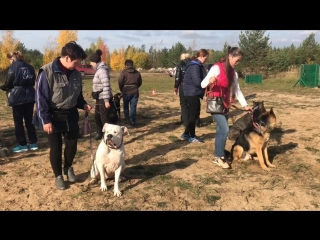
pixel 87 128
pixel 240 108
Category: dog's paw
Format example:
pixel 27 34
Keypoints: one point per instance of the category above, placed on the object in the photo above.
pixel 247 157
pixel 240 160
pixel 103 188
pixel 93 181
pixel 271 165
pixel 117 193
pixel 266 168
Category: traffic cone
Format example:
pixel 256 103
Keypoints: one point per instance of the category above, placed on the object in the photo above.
pixel 153 92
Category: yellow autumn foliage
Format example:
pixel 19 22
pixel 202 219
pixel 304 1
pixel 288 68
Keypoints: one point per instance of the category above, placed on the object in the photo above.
pixel 117 59
pixel 105 53
pixel 130 52
pixel 52 50
pixel 8 44
pixel 140 60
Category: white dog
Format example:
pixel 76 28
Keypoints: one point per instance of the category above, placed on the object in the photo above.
pixel 109 161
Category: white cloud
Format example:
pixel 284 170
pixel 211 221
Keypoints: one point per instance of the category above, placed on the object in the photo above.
pixel 142 33
pixel 308 32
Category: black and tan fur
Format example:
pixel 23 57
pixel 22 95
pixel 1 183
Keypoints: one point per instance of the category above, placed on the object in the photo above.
pixel 243 122
pixel 254 139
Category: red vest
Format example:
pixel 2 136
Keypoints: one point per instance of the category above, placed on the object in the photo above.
pixel 221 86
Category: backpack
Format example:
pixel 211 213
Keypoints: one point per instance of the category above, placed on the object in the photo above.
pixel 182 71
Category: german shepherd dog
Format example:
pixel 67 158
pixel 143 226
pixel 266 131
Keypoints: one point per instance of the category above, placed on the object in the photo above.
pixel 243 122
pixel 254 138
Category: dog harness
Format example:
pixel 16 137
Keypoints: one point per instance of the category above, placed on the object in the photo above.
pixel 256 122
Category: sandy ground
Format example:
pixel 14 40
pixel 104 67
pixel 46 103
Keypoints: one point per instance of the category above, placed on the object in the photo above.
pixel 167 173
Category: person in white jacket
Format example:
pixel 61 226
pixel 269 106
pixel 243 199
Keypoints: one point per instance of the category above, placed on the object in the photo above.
pixel 224 78
pixel 101 92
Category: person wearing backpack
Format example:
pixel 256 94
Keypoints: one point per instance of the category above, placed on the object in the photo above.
pixel 178 86
pixel 193 92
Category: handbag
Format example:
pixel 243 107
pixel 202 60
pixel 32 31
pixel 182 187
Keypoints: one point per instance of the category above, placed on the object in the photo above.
pixel 215 105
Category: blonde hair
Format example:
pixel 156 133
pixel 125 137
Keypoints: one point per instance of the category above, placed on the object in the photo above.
pixel 15 55
pixel 184 56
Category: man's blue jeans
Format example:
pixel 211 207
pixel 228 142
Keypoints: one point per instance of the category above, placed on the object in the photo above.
pixel 221 134
pixel 130 112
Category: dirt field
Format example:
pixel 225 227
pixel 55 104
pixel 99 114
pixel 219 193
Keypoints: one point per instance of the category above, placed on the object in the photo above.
pixel 167 173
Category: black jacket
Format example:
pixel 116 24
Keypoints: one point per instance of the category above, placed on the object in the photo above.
pixel 20 83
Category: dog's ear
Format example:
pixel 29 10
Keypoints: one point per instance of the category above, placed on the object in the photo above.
pixel 271 111
pixel 125 130
pixel 104 127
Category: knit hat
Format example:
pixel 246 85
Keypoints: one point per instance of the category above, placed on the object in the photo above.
pixel 96 57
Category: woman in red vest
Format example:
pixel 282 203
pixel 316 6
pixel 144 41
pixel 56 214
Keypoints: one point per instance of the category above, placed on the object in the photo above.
pixel 224 78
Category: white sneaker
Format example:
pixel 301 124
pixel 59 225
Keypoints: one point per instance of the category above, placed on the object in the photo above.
pixel 221 163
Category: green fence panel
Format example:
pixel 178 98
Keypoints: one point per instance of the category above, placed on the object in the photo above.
pixel 309 75
pixel 253 79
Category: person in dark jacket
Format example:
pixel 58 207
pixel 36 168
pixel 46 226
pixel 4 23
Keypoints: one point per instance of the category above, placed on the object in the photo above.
pixel 129 83
pixel 58 98
pixel 193 92
pixel 20 87
pixel 178 85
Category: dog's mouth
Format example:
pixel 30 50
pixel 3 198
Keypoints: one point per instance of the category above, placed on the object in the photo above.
pixel 110 143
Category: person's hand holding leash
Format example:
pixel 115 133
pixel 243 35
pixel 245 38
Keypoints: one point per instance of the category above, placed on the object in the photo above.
pixel 47 128
pixel 247 108
pixel 87 107
pixel 175 90
pixel 107 105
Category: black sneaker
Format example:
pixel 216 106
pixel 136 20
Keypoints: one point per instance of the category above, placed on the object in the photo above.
pixel 70 174
pixel 60 184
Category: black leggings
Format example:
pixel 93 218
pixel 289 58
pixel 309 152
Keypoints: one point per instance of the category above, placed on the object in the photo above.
pixel 185 108
pixel 55 144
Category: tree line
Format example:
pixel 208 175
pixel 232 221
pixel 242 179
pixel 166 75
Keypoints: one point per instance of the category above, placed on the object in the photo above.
pixel 260 56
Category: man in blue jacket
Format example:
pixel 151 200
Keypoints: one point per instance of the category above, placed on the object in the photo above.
pixel 58 98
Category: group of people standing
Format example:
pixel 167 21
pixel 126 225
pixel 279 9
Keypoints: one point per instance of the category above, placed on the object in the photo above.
pixel 56 93
pixel 192 89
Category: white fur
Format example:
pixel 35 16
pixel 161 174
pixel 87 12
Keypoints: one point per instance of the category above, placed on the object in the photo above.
pixel 109 162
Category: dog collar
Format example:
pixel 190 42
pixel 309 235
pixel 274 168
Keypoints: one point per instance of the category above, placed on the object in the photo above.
pixel 258 128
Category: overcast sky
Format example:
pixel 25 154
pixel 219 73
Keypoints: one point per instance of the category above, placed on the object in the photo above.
pixel 159 39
